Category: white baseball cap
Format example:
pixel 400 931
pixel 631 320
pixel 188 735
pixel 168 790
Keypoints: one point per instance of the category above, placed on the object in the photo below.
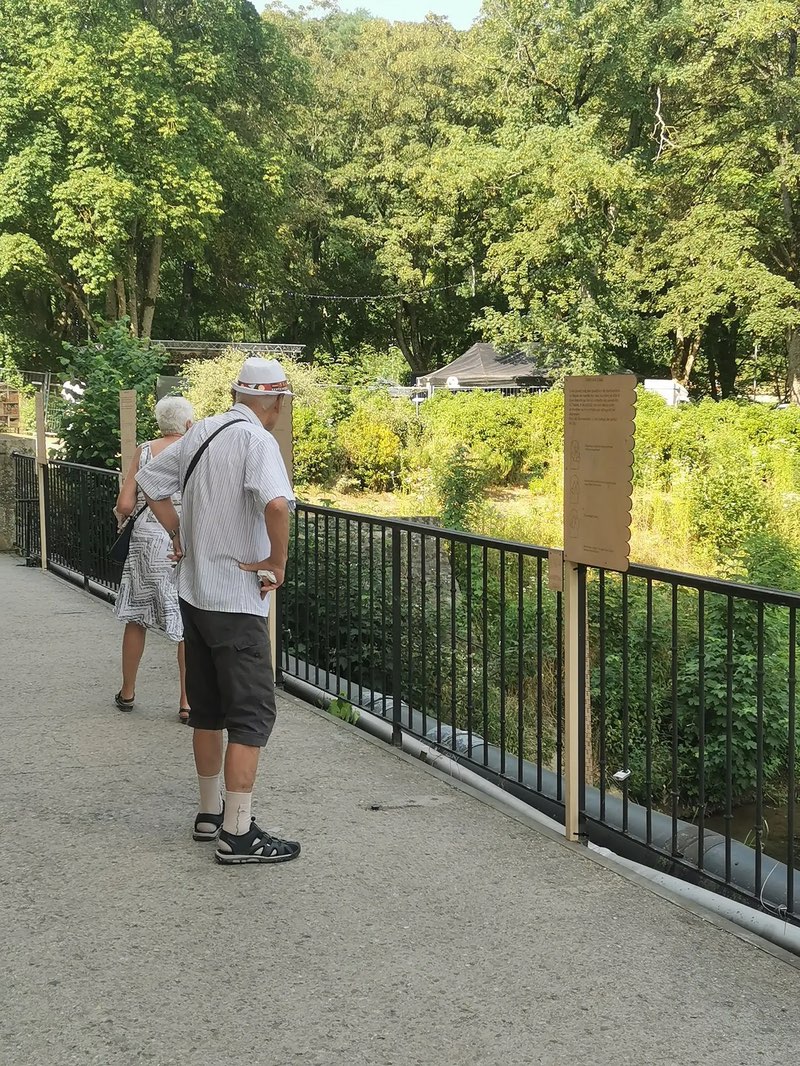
pixel 262 375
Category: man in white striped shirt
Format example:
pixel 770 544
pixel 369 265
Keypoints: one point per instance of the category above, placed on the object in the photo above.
pixel 231 547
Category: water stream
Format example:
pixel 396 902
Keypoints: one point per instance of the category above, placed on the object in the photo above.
pixel 775 836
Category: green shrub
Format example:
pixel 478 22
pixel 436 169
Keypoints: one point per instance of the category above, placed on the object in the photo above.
pixel 459 484
pixel 208 382
pixel 480 418
pixel 116 360
pixel 317 455
pixel 372 451
pixel 543 433
pixel 315 408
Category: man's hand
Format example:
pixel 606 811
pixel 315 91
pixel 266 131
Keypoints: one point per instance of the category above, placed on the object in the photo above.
pixel 279 573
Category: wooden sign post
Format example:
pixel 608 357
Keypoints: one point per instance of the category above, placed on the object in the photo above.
pixel 599 424
pixel 41 463
pixel 282 433
pixel 127 428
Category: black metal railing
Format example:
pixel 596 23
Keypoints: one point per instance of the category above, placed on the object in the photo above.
pixel 689 747
pixel 689 712
pixel 26 510
pixel 80 525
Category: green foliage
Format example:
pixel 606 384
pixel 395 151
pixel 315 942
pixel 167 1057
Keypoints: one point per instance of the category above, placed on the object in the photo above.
pixel 730 699
pixel 490 426
pixel 342 709
pixel 459 484
pixel 372 450
pixel 116 361
pixel 317 455
pixel 208 382
pixel 139 145
pixel 542 433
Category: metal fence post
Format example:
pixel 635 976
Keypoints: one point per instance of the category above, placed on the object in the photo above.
pixel 575 700
pixel 583 684
pixel 275 623
pixel 41 473
pixel 83 519
pixel 397 640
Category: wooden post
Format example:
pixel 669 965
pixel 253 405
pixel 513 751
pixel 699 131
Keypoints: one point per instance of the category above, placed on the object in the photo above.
pixel 127 428
pixel 41 463
pixel 282 433
pixel 599 423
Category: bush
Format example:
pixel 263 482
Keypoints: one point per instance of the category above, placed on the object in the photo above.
pixel 372 450
pixel 542 433
pixel 317 455
pixel 116 360
pixel 316 407
pixel 480 418
pixel 208 382
pixel 459 484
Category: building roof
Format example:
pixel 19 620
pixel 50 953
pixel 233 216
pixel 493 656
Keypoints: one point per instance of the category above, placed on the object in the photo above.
pixel 482 364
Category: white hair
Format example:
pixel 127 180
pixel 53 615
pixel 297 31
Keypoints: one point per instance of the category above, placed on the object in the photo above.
pixel 172 413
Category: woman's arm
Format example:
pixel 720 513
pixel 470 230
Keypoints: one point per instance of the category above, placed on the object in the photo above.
pixel 126 501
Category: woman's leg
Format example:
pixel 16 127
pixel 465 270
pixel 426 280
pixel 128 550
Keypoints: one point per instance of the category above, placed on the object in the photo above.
pixel 132 649
pixel 182 674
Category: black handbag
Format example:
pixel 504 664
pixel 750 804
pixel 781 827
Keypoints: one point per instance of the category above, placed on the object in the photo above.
pixel 118 552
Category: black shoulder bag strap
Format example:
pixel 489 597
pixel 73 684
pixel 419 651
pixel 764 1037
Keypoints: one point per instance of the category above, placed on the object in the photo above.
pixel 203 446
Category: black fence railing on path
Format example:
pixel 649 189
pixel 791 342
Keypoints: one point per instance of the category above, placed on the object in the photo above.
pixel 80 525
pixel 689 720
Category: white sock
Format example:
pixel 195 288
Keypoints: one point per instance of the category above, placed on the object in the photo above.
pixel 210 794
pixel 237 812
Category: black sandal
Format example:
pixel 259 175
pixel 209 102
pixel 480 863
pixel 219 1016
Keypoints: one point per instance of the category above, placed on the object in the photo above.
pixel 183 715
pixel 124 705
pixel 255 846
pixel 213 820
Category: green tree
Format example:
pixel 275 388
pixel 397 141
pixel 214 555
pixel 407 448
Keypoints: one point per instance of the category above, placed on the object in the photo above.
pixel 132 136
pixel 391 193
pixel 116 360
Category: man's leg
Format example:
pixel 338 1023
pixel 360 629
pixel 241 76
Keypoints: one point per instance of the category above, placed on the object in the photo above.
pixel 206 718
pixel 184 699
pixel 244 673
pixel 241 764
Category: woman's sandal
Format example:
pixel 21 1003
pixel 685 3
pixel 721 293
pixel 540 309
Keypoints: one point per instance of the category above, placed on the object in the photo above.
pixel 124 705
pixel 183 715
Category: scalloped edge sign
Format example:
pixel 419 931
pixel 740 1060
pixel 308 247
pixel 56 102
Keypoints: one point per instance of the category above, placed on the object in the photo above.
pixel 599 427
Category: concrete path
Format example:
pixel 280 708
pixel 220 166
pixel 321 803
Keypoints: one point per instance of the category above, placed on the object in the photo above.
pixel 435 931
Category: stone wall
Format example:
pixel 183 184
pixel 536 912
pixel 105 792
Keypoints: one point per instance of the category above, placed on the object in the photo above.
pixel 10 442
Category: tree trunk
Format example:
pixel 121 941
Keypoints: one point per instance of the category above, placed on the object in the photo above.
pixel 186 309
pixel 122 303
pixel 685 351
pixel 152 275
pixel 793 365
pixel 133 284
pixel 719 345
pixel 411 347
pixel 400 337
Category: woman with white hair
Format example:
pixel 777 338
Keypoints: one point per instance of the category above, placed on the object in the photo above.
pixel 147 597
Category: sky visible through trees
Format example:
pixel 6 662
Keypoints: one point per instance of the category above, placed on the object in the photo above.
pixel 460 13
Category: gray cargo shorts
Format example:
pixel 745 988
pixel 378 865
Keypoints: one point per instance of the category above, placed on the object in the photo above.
pixel 229 679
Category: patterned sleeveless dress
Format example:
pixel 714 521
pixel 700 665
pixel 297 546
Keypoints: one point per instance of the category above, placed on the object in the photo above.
pixel 147 593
